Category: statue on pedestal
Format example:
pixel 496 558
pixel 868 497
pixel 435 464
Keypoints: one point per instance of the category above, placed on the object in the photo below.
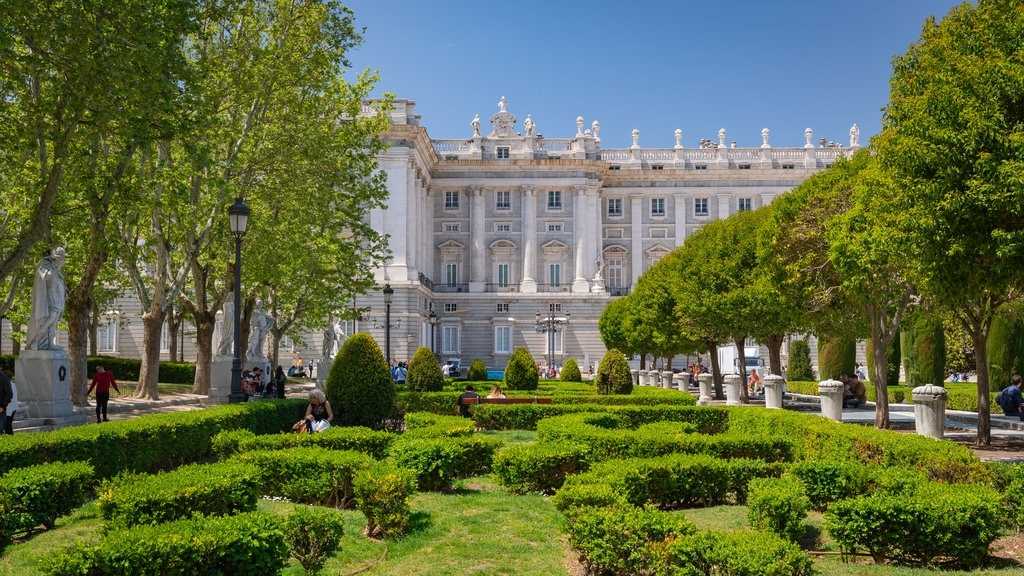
pixel 598 282
pixel 48 298
pixel 529 128
pixel 475 125
pixel 259 327
pixel 227 327
pixel 332 337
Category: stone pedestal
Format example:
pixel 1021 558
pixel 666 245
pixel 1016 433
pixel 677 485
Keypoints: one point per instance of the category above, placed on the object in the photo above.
pixel 679 381
pixel 732 389
pixel 322 371
pixel 929 410
pixel 831 392
pixel 707 389
pixel 44 386
pixel 635 375
pixel 773 384
pixel 653 378
pixel 666 379
pixel 220 380
pixel 641 377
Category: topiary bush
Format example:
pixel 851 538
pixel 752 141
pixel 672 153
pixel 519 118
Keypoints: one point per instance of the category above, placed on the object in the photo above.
pixel 424 373
pixel 382 495
pixel 538 467
pixel 613 375
pixel 313 535
pixel 477 371
pixel 570 371
pixel 778 505
pixel 799 361
pixel 828 481
pixel 837 356
pixel 38 495
pixel 439 461
pixel 739 553
pixel 521 372
pixel 621 540
pixel 359 386
pixel 356 438
pixel 311 475
pixel 923 346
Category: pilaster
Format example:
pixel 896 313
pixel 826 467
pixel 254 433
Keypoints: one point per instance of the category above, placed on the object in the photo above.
pixel 636 252
pixel 579 227
pixel 529 226
pixel 478 277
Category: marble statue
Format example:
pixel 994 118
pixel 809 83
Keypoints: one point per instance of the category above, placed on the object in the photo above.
pixel 48 297
pixel 503 104
pixel 579 126
pixel 259 327
pixel 528 127
pixel 475 124
pixel 765 133
pixel 679 138
pixel 599 265
pixel 854 136
pixel 595 129
pixel 227 327
pixel 332 337
pixel 635 134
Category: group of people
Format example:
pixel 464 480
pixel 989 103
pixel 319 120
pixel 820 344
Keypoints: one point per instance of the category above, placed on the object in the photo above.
pixel 253 385
pixel 470 396
pixel 399 372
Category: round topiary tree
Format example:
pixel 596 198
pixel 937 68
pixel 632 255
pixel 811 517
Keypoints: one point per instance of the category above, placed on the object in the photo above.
pixel 837 356
pixel 571 371
pixel 923 348
pixel 477 370
pixel 359 386
pixel 521 372
pixel 424 372
pixel 613 375
pixel 800 362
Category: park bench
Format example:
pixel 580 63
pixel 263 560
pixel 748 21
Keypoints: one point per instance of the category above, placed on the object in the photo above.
pixel 515 400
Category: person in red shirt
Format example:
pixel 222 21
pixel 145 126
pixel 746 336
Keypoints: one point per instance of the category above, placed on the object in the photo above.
pixel 102 381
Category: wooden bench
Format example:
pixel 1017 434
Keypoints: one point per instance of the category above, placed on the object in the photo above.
pixel 514 400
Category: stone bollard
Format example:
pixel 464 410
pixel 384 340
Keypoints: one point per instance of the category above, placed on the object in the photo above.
pixel 831 392
pixel 732 389
pixel 707 389
pixel 635 375
pixel 653 377
pixel 929 410
pixel 773 391
pixel 679 381
pixel 666 379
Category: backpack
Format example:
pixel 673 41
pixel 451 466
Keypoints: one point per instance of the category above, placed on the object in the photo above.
pixel 1002 398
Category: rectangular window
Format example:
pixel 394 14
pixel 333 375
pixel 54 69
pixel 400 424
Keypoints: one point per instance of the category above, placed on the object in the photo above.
pixel 615 272
pixel 554 307
pixel 613 232
pixel 745 205
pixel 659 233
pixel 554 199
pixel 503 227
pixel 451 226
pixel 503 275
pixel 451 274
pixel 450 307
pixel 615 167
pixel 555 274
pixel 450 339
pixel 107 335
pixel 554 226
pixel 502 339
pixel 657 166
pixel 700 166
pixel 657 207
pixel 615 206
pixel 788 166
pixel 503 200
pixel 744 166
pixel 502 308
pixel 700 206
pixel 503 152
pixel 451 200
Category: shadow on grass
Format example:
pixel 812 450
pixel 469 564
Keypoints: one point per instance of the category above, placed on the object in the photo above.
pixel 811 539
pixel 418 522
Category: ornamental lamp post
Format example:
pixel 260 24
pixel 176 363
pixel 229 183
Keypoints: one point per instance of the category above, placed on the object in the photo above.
pixel 238 217
pixel 432 318
pixel 550 325
pixel 389 292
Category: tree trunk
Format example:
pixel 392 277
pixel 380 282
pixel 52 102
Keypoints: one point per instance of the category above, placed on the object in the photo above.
pixel 15 346
pixel 149 371
pixel 78 334
pixel 204 355
pixel 880 375
pixel 668 363
pixel 173 325
pixel 94 328
pixel 774 343
pixel 716 371
pixel 979 336
pixel 741 353
pixel 643 361
pixel 275 347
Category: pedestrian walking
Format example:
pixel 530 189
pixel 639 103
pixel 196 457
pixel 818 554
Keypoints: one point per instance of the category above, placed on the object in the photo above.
pixel 102 381
pixel 8 402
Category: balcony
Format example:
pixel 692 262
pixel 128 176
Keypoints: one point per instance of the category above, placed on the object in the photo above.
pixel 464 287
pixel 617 290
pixel 554 287
pixel 502 288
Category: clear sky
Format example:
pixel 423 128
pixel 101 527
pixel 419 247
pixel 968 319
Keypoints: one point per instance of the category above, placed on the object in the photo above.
pixel 656 66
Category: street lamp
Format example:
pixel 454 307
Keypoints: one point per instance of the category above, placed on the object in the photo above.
pixel 389 292
pixel 238 216
pixel 551 325
pixel 432 318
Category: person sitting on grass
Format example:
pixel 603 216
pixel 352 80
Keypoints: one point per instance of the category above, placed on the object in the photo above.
pixel 469 394
pixel 1010 398
pixel 496 393
pixel 318 414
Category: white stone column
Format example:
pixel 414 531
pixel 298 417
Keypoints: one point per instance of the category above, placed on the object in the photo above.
pixel 394 218
pixel 680 210
pixel 929 410
pixel 706 384
pixel 636 252
pixel 831 392
pixel 594 240
pixel 529 212
pixel 412 221
pixel 773 384
pixel 732 389
pixel 666 379
pixel 478 274
pixel 579 227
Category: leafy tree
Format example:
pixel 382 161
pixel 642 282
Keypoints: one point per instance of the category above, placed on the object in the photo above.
pixel 521 372
pixel 359 386
pixel 570 371
pixel 613 376
pixel 951 138
pixel 923 347
pixel 800 361
pixel 424 372
pixel 837 357
pixel 611 325
pixel 477 370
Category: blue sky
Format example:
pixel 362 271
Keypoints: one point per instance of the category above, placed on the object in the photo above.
pixel 655 66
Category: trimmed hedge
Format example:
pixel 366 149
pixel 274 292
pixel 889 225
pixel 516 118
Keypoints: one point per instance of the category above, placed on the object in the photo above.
pixel 538 467
pixel 127 369
pixel 382 494
pixel 799 361
pixel 445 402
pixel 521 371
pixel 356 438
pixel 622 540
pixel 425 424
pixel 439 461
pixel 359 386
pixel 148 443
pixel 836 357
pixel 778 505
pixel 311 475
pixel 613 376
pixel 477 370
pixel 313 536
pixel 939 524
pixel 827 482
pixel 424 373
pixel 570 371
pixel 38 495
pixel 213 489
pixel 740 553
pixel 250 544
pixel 526 416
